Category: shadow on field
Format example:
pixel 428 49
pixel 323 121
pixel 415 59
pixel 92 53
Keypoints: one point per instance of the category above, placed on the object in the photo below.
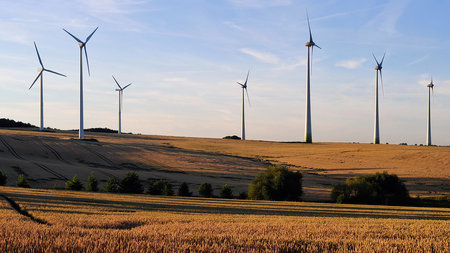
pixel 83 205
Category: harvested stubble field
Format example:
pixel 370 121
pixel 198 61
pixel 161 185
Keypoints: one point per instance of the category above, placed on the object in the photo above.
pixel 51 158
pixel 100 222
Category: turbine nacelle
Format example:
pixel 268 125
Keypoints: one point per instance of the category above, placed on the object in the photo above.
pixel 431 85
pixel 378 67
pixel 40 69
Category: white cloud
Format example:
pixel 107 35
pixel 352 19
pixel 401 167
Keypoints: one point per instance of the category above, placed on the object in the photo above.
pixel 265 57
pixel 351 64
pixel 233 25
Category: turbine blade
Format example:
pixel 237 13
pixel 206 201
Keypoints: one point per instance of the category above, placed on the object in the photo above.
pixel 79 41
pixel 116 82
pixel 432 91
pixel 87 60
pixel 375 59
pixel 381 77
pixel 89 37
pixel 246 79
pixel 39 57
pixel 126 86
pixel 309 27
pixel 40 73
pixel 382 59
pixel 240 84
pixel 317 46
pixel 248 98
pixel 54 72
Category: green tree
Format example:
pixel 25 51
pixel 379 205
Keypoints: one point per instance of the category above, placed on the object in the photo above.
pixel 92 183
pixel 226 192
pixel 276 183
pixel 156 188
pixel 205 190
pixel 74 184
pixel 378 188
pixel 184 190
pixel 112 185
pixel 131 183
pixel 22 181
pixel 3 178
pixel 168 191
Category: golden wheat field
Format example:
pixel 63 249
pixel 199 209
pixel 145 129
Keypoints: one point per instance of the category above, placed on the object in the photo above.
pixel 100 222
pixel 51 158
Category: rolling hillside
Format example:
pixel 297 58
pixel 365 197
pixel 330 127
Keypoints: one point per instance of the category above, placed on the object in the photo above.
pixel 49 158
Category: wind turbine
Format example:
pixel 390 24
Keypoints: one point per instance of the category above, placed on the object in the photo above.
pixel 376 138
pixel 120 90
pixel 430 89
pixel 244 90
pixel 41 73
pixel 310 45
pixel 82 45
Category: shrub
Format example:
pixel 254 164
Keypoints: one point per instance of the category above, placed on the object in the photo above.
pixel 226 192
pixel 243 195
pixel 156 188
pixel 184 190
pixel 205 190
pixel 22 181
pixel 92 183
pixel 74 184
pixel 131 183
pixel 3 178
pixel 378 188
pixel 232 137
pixel 276 183
pixel 112 185
pixel 168 189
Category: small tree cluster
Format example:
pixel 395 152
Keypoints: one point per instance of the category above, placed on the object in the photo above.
pixel 130 183
pixel 205 190
pixel 22 181
pixel 378 188
pixel 74 184
pixel 160 187
pixel 183 190
pixel 276 183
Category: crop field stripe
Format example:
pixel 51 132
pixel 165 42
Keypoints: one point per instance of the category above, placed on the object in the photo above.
pixel 102 157
pixel 10 149
pixel 54 152
pixel 54 173
pixel 21 211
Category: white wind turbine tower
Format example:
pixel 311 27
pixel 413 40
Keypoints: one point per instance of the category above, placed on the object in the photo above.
pixel 82 45
pixel 244 90
pixel 430 89
pixel 41 73
pixel 120 90
pixel 376 138
pixel 310 45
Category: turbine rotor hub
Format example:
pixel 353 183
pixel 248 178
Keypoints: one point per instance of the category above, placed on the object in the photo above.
pixel 310 44
pixel 81 45
pixel 430 85
pixel 378 67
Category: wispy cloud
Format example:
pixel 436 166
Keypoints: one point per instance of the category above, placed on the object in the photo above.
pixel 351 64
pixel 386 20
pixel 262 56
pixel 233 25
pixel 418 60
pixel 261 3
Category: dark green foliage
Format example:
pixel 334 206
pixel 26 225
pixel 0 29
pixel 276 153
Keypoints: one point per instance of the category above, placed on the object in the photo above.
pixel 131 183
pixel 22 181
pixel 168 191
pixel 243 195
pixel 233 137
pixel 12 123
pixel 276 183
pixel 226 192
pixel 156 188
pixel 74 184
pixel 112 185
pixel 184 190
pixel 92 183
pixel 378 188
pixel 3 178
pixel 205 190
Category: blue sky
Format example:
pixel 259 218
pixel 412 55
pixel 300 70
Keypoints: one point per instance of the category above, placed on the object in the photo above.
pixel 184 58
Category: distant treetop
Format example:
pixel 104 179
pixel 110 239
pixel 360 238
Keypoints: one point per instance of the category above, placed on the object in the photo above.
pixel 12 123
